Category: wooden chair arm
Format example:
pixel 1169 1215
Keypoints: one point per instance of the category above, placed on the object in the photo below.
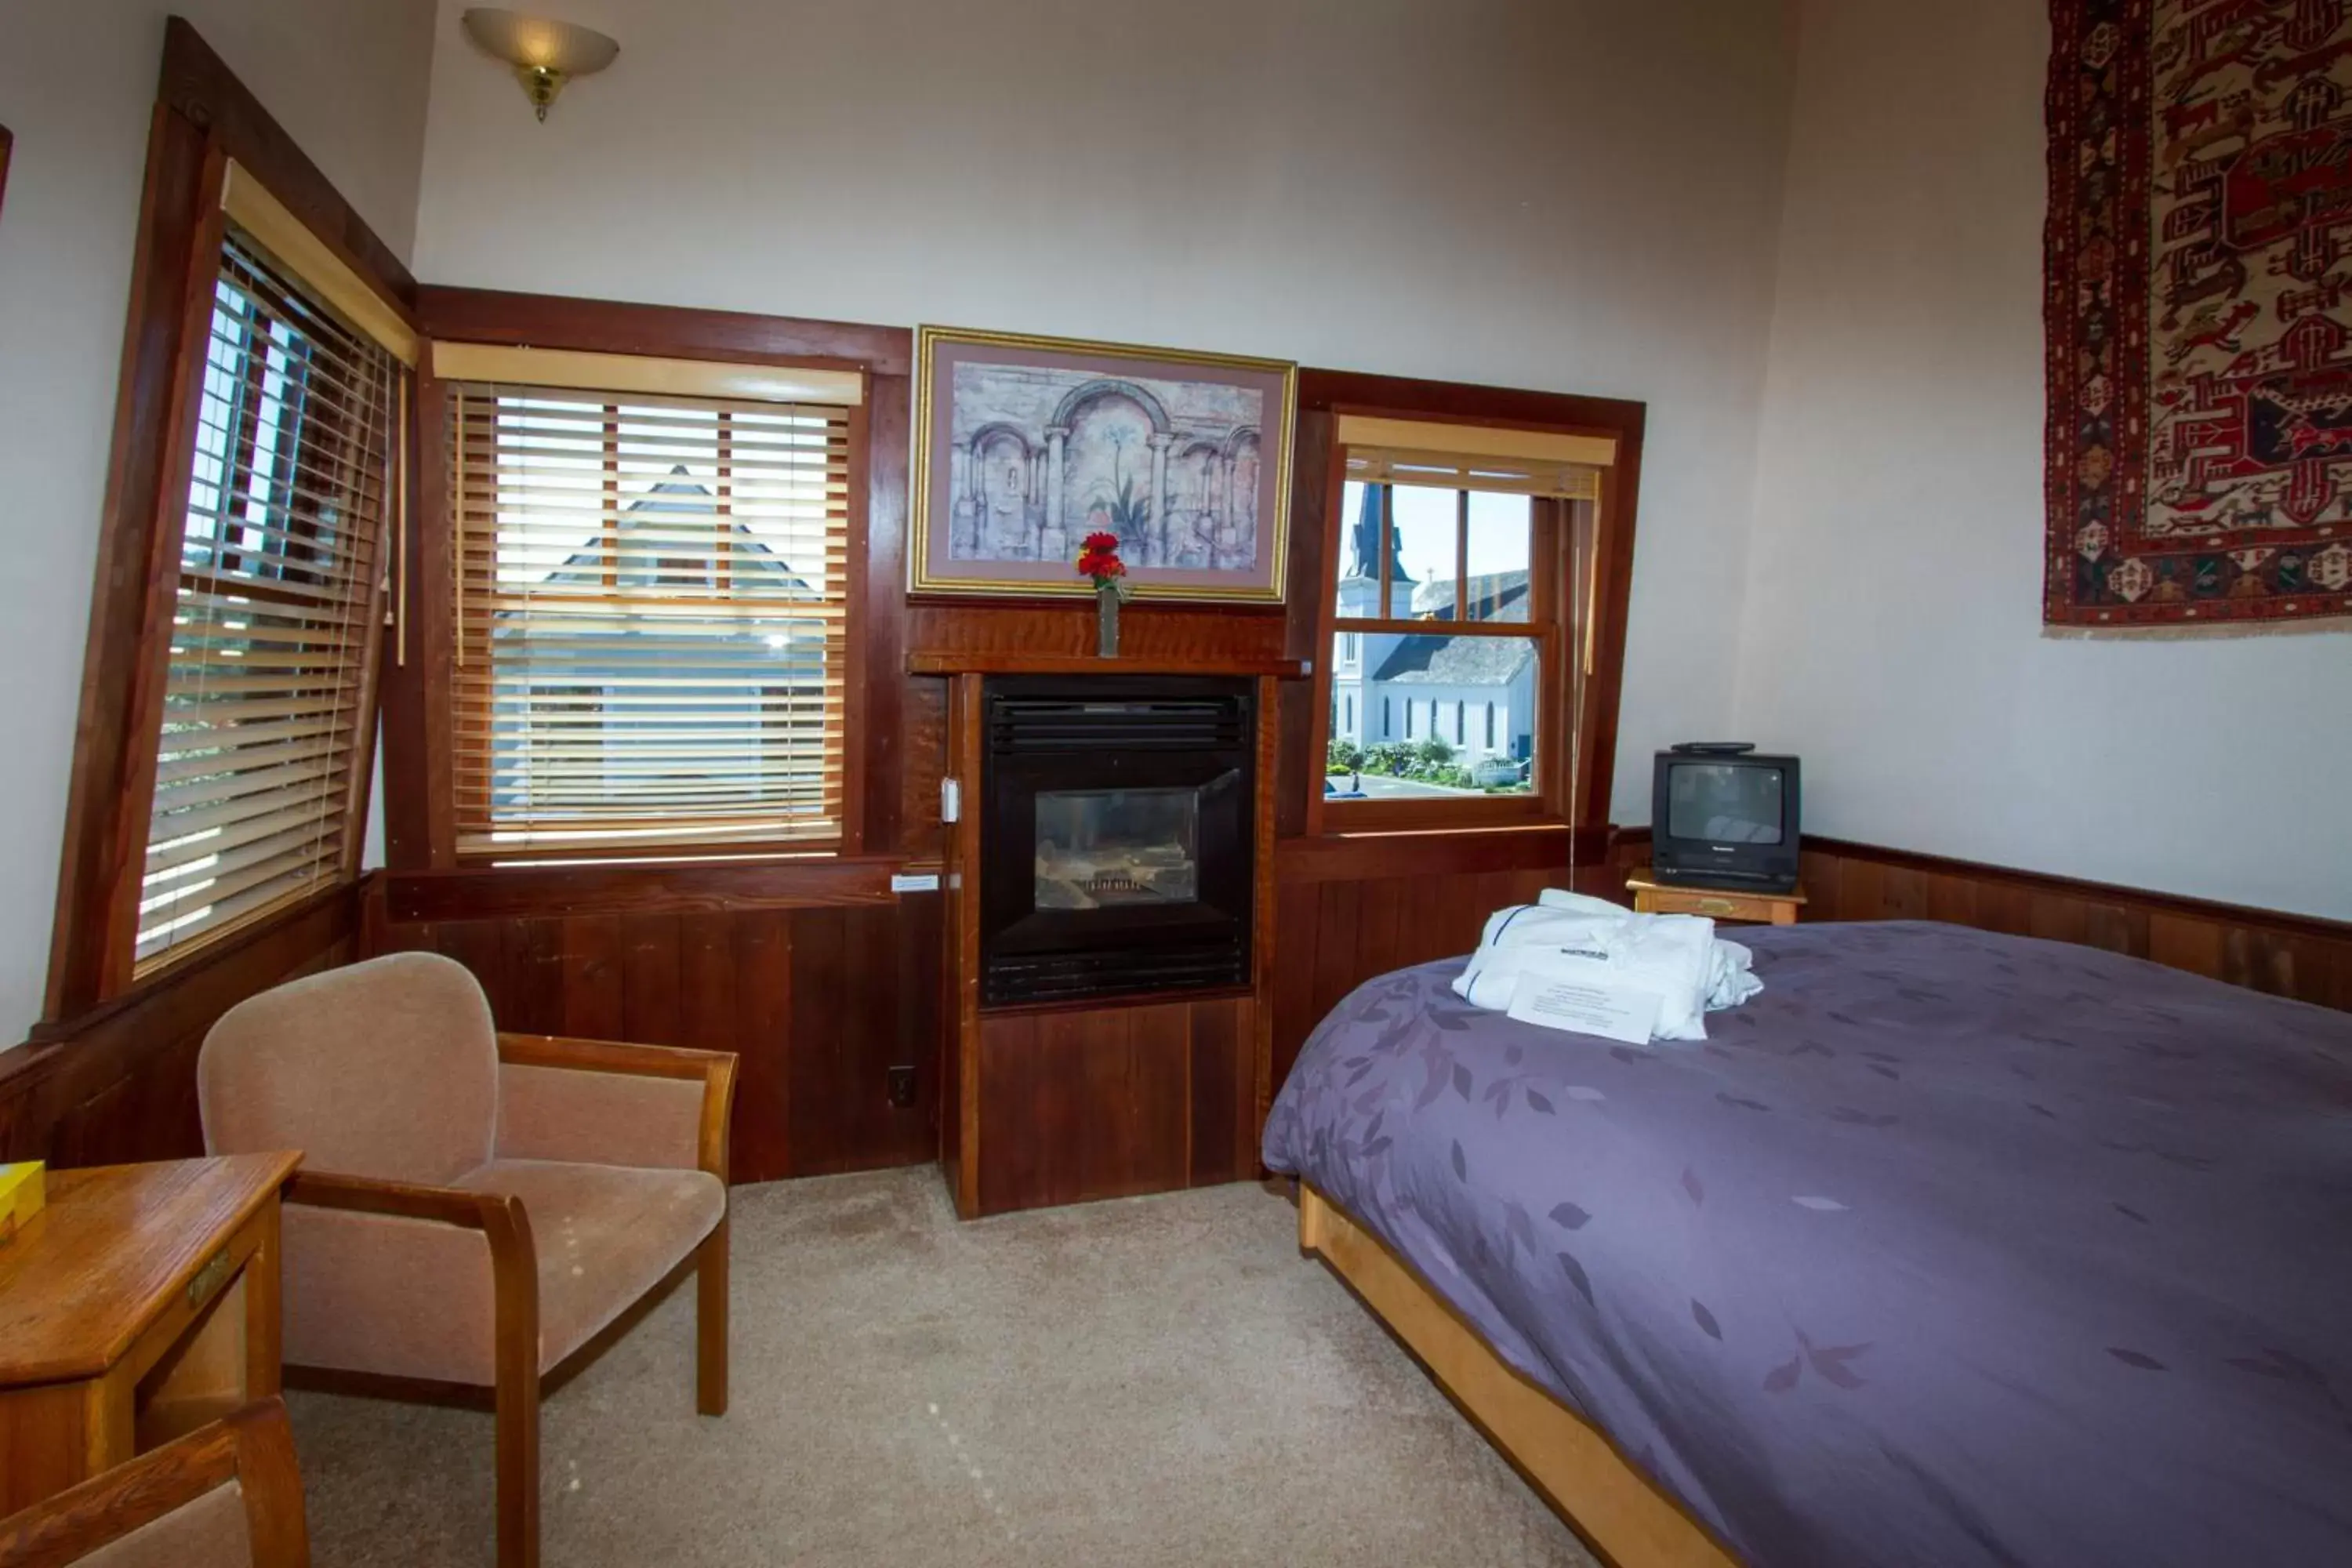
pixel 715 1069
pixel 254 1447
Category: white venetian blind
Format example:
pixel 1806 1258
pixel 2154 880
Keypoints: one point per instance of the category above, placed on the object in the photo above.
pixel 273 613
pixel 651 593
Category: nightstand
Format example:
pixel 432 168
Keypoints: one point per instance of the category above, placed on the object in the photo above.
pixel 138 1304
pixel 1650 898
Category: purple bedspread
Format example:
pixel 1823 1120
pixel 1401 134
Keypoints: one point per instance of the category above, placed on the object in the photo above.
pixel 1949 1248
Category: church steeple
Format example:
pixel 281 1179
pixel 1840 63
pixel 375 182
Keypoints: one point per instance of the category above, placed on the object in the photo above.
pixel 1364 544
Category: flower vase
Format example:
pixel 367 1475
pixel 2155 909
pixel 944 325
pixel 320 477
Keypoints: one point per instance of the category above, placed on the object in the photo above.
pixel 1106 618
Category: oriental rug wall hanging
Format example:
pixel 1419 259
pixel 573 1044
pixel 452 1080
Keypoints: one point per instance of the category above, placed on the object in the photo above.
pixel 2198 304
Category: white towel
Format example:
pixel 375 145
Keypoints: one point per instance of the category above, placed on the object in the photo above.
pixel 1568 936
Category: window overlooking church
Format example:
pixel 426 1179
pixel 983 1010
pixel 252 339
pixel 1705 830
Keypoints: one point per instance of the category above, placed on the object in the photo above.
pixel 1451 590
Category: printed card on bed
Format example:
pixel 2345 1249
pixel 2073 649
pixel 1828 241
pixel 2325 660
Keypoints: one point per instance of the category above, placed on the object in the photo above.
pixel 1586 1006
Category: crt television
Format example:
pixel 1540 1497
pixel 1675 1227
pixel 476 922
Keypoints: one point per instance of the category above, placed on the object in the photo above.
pixel 1726 818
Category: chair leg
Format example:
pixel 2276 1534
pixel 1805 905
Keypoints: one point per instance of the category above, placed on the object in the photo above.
pixel 711 1322
pixel 518 1405
pixel 515 1289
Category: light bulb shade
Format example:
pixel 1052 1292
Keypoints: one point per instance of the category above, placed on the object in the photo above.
pixel 538 44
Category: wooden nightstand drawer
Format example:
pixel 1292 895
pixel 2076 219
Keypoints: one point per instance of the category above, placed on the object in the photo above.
pixel 1650 898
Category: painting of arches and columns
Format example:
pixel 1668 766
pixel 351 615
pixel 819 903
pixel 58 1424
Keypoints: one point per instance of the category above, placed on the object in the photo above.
pixel 1025 445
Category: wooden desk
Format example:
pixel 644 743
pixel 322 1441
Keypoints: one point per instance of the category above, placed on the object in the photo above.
pixel 1655 898
pixel 141 1303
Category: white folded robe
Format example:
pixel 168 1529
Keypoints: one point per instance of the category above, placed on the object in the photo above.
pixel 1729 977
pixel 1569 937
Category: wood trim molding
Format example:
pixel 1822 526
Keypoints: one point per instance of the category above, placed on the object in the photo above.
pixel 197 86
pixel 2301 956
pixel 661 332
pixel 502 891
pixel 1012 661
pixel 1360 857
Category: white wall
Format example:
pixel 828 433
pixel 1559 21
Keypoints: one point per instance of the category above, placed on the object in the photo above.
pixel 347 78
pixel 1579 195
pixel 1892 632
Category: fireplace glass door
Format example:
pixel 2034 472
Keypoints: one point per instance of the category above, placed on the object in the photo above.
pixel 1098 848
pixel 1116 853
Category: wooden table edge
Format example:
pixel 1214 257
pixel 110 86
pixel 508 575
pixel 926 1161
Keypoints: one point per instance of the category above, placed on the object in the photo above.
pixel 283 1162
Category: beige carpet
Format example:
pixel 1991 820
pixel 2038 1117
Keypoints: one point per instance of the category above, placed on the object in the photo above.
pixel 1154 1381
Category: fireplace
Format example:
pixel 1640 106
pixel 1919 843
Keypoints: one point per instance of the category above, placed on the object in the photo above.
pixel 1116 835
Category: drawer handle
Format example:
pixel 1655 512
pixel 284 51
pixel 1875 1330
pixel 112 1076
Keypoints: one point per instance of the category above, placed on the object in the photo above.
pixel 208 1278
pixel 1718 906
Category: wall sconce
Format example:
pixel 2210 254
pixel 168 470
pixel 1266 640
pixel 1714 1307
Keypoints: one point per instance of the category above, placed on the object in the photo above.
pixel 544 54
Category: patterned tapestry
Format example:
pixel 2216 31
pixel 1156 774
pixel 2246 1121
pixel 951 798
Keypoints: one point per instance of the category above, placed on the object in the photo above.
pixel 2199 301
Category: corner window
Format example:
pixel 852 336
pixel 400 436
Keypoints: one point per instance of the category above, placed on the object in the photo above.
pixel 272 635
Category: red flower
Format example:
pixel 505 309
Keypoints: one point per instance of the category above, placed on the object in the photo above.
pixel 1098 558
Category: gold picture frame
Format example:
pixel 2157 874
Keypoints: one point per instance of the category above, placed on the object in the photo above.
pixel 1023 445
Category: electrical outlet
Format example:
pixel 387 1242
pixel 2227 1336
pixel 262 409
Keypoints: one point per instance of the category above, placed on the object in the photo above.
pixel 902 1087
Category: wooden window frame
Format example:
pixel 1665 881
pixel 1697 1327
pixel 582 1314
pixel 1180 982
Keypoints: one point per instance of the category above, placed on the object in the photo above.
pixel 203 120
pixel 421 833
pixel 1596 552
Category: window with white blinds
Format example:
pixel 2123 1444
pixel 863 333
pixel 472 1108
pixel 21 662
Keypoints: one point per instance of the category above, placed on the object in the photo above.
pixel 651 601
pixel 274 610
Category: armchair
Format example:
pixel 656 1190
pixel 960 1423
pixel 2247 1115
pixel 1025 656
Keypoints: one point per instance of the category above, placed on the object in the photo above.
pixel 227 1495
pixel 473 1207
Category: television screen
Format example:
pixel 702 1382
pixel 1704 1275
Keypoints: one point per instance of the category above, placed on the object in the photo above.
pixel 1724 803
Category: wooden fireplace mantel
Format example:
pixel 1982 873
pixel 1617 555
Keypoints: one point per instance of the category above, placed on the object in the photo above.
pixel 1014 661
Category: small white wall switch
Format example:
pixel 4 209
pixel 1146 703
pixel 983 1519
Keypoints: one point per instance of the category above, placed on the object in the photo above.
pixel 951 800
pixel 914 882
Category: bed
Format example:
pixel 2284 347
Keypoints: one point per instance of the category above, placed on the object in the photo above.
pixel 1951 1247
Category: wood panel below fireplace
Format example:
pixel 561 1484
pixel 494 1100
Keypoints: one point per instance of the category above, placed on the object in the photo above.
pixel 1107 1102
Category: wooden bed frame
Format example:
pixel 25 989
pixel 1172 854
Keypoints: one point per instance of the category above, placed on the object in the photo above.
pixel 1616 1510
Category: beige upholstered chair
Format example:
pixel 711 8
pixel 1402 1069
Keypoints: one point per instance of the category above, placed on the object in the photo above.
pixel 473 1207
pixel 225 1495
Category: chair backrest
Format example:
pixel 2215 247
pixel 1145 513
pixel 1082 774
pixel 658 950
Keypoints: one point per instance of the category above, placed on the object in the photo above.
pixel 387 1069
pixel 225 1495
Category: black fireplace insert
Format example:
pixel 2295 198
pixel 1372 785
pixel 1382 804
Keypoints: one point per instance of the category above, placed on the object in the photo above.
pixel 1117 845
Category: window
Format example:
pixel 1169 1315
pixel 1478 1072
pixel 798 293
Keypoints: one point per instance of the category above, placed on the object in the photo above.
pixel 686 559
pixel 273 613
pixel 1351 726
pixel 1453 584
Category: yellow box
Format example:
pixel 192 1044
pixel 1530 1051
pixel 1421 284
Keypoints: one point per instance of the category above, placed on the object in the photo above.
pixel 21 1197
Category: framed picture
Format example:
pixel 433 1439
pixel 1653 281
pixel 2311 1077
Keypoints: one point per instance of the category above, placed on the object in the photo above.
pixel 1024 445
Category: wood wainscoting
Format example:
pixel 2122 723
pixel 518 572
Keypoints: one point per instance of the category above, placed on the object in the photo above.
pixel 1348 908
pixel 118 1084
pixel 819 1000
pixel 2286 955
